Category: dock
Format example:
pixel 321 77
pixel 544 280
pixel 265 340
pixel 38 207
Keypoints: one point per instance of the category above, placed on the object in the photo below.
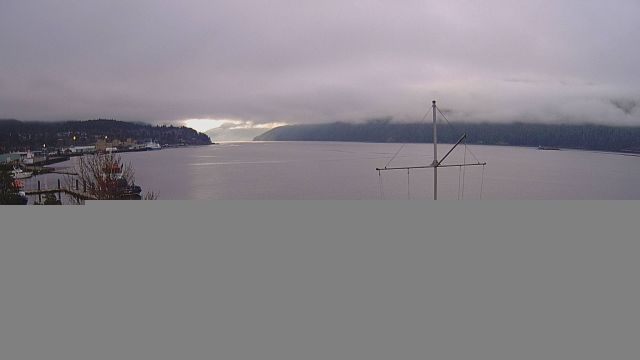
pixel 79 195
pixel 75 191
pixel 37 169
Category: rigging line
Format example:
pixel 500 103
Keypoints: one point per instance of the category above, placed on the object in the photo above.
pixel 459 178
pixel 380 185
pixel 456 130
pixel 464 171
pixel 408 186
pixel 394 156
pixel 474 156
pixel 482 181
pixel 449 123
pixel 403 145
pixel 426 114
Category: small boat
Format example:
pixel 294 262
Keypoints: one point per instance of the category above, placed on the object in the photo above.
pixel 23 197
pixel 24 200
pixel 112 172
pixel 127 191
pixel 19 185
pixel 548 148
pixel 18 173
pixel 152 145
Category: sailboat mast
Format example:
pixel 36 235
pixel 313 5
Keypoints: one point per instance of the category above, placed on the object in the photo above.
pixel 436 163
pixel 435 154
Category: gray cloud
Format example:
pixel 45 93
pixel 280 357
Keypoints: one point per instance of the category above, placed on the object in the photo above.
pixel 309 61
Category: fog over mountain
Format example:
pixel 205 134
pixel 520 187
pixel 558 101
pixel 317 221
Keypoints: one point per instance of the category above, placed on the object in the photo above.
pixel 289 61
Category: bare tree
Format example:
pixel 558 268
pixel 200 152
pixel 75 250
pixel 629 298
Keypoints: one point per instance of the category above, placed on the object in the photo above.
pixel 107 177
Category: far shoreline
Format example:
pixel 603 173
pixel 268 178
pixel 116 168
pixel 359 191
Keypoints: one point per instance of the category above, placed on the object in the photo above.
pixel 619 152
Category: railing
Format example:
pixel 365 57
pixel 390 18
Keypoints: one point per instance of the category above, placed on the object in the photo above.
pixel 73 188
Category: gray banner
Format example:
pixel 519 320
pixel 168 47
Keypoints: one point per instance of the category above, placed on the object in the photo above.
pixel 320 280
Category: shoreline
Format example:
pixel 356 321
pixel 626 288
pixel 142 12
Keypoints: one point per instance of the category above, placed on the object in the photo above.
pixel 43 167
pixel 535 147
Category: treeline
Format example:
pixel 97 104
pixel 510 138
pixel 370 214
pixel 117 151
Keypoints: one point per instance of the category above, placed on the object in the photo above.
pixel 586 136
pixel 21 135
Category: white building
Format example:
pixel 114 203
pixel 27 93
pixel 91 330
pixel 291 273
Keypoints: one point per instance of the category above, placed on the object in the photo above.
pixel 81 149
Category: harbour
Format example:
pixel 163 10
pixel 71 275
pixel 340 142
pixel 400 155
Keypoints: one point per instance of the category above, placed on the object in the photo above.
pixel 346 171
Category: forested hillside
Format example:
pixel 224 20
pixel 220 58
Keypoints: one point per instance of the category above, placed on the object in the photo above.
pixel 587 136
pixel 19 135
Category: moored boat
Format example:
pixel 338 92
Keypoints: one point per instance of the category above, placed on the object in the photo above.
pixel 152 145
pixel 18 173
pixel 21 193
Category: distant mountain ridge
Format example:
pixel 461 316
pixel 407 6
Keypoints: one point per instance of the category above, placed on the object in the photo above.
pixel 242 134
pixel 20 135
pixel 585 136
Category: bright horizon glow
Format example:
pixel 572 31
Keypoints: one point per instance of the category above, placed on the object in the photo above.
pixel 202 125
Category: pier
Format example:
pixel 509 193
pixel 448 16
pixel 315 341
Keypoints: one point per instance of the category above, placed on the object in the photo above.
pixel 36 169
pixel 76 190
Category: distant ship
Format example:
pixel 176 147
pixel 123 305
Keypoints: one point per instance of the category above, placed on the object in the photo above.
pixel 548 148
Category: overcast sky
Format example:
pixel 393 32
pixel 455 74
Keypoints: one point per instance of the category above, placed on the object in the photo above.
pixel 299 61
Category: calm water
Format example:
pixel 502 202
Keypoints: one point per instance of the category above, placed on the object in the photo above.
pixel 331 170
